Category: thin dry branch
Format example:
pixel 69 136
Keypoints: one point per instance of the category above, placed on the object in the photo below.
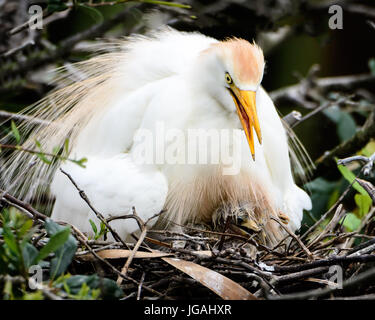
pixel 347 148
pixel 296 94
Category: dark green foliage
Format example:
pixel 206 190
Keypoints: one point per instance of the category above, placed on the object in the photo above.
pixel 74 284
pixel 56 5
pixel 18 253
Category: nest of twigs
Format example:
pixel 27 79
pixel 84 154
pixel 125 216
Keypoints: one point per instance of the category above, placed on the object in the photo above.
pixel 327 264
pixel 196 263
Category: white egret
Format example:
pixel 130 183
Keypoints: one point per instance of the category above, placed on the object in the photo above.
pixel 182 81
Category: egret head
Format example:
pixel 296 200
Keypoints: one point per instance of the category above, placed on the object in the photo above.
pixel 235 69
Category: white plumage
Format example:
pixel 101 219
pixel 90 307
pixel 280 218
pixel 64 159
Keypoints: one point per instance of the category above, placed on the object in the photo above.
pixel 177 80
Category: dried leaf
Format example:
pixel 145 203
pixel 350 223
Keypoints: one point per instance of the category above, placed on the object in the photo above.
pixel 221 285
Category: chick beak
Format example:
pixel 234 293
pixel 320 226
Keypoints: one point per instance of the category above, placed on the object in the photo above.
pixel 245 101
pixel 250 225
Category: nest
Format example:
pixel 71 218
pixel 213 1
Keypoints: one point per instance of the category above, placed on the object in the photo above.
pixel 198 263
pixel 321 265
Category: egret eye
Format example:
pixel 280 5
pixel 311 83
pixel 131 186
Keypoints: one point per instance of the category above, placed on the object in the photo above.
pixel 228 78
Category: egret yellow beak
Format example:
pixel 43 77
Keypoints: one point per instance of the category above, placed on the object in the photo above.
pixel 245 101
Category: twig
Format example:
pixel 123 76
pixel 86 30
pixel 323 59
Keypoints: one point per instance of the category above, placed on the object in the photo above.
pixel 140 286
pixel 292 118
pixel 36 152
pixel 325 262
pixel 295 237
pixel 298 275
pixel 5 115
pixel 64 47
pixel 369 162
pixel 357 142
pixel 33 213
pixel 85 243
pixel 317 293
pixel 339 102
pixel 45 290
pixel 293 94
pixel 125 268
pixel 98 214
pixel 26 44
pixel 329 227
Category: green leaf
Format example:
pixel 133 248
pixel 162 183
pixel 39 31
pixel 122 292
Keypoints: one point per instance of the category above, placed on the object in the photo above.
pixel 38 144
pixel 66 147
pixel 29 254
pixel 55 151
pixel 37 295
pixel 52 227
pixel 54 243
pixel 369 149
pixel 42 157
pixel 64 255
pixel 94 13
pixel 103 228
pixel 351 222
pixel 321 195
pixel 93 226
pixel 26 226
pixel 167 3
pixel 364 203
pixel 346 127
pixel 80 162
pixel 10 240
pixel 41 154
pixel 8 290
pixel 371 65
pixel 333 113
pixel 56 5
pixel 350 177
pixel 108 288
pixel 15 132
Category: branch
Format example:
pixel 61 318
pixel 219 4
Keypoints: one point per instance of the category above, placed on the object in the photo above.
pixel 41 154
pixel 369 162
pixel 297 95
pixel 334 260
pixel 340 102
pixel 26 206
pixel 365 277
pixel 97 213
pixel 64 47
pixel 357 142
pixel 5 115
pixel 292 118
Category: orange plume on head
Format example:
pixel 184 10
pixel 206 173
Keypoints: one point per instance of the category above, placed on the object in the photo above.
pixel 248 59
